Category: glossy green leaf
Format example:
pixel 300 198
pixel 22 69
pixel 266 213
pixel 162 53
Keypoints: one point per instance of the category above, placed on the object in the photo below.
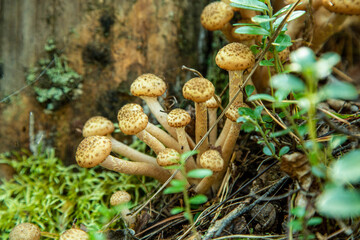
pixel 173 189
pixel 250 5
pixel 199 173
pixel 247 127
pixel 325 64
pixel 198 199
pixel 188 154
pixel 294 15
pixel 338 90
pixel 282 41
pixel 252 30
pixel 284 150
pixel 302 58
pixel 347 168
pixel 176 210
pixel 267 151
pixel 178 183
pixel 262 96
pixel 249 89
pixel 287 82
pixel 298 212
pixel 283 10
pixel 257 112
pixel 279 133
pixel 267 63
pixel 314 221
pixel 337 140
pixel 339 202
pixel 262 18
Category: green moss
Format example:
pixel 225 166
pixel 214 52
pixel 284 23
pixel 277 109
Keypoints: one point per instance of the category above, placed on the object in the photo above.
pixel 51 195
pixel 53 81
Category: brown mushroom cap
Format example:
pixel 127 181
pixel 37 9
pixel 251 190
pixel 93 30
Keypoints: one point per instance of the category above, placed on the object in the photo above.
pixel 132 107
pixel 132 122
pixel 233 113
pixel 25 231
pixel 349 7
pixel 119 197
pixel 215 15
pixel 212 103
pixel 92 151
pixel 178 118
pixel 168 157
pixel 148 85
pixel 98 125
pixel 198 89
pixel 74 233
pixel 211 159
pixel 235 56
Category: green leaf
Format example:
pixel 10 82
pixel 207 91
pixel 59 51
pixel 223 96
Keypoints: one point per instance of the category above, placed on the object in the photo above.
pixel 339 90
pixel 173 189
pixel 262 18
pixel 325 64
pixel 252 30
pixel 282 41
pixel 280 133
pixel 250 5
pixel 294 15
pixel 267 150
pixel 249 89
pixel 267 63
pixel 302 58
pixel 339 203
pixel 314 221
pixel 176 210
pixel 284 9
pixel 262 96
pixel 347 168
pixel 188 154
pixel 298 212
pixel 284 150
pixel 247 127
pixel 257 112
pixel 244 111
pixel 178 183
pixel 288 82
pixel 198 199
pixel 336 140
pixel 296 225
pixel 199 173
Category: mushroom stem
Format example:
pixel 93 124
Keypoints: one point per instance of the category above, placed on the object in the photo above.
pixel 135 168
pixel 163 137
pixel 151 141
pixel 159 113
pixel 132 154
pixel 201 127
pixel 235 81
pixel 212 120
pixel 190 163
pixel 204 186
pixel 224 132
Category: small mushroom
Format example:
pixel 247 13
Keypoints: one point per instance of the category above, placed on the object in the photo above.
pixel 211 159
pixel 25 231
pixel 170 157
pixel 149 87
pixel 158 133
pixel 178 119
pixel 74 233
pixel 122 197
pixel 95 150
pixel 199 90
pixel 101 126
pixel 134 123
pixel 217 16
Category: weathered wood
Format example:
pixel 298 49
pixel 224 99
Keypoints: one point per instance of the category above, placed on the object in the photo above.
pixel 156 36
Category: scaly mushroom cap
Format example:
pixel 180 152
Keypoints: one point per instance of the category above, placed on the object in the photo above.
pixel 74 234
pixel 25 231
pixel 211 159
pixel 132 122
pixel 235 56
pixel 178 118
pixel 132 107
pixel 215 15
pixel 119 197
pixel 148 85
pixel 198 90
pixel 168 157
pixel 98 125
pixel 212 103
pixel 349 7
pixel 233 113
pixel 92 151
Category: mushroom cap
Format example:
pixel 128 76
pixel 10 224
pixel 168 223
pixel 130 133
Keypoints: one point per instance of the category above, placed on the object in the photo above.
pixel 349 7
pixel 132 122
pixel 198 89
pixel 215 15
pixel 235 56
pixel 25 231
pixel 168 157
pixel 74 234
pixel 119 197
pixel 212 103
pixel 232 113
pixel 92 151
pixel 211 159
pixel 178 118
pixel 98 125
pixel 148 85
pixel 129 107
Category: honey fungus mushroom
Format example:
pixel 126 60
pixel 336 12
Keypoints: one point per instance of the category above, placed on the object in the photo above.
pixel 74 233
pixel 95 150
pixel 25 231
pixel 122 198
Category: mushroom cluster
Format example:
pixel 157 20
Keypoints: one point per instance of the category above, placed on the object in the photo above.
pixel 98 145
